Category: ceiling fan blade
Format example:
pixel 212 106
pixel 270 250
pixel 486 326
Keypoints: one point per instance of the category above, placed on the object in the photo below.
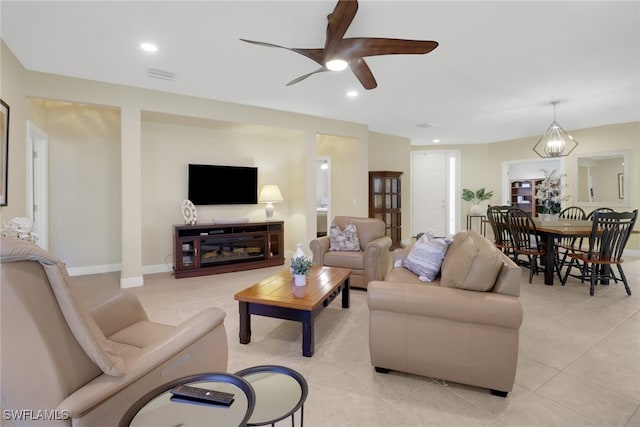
pixel 339 21
pixel 359 47
pixel 363 73
pixel 301 78
pixel 316 55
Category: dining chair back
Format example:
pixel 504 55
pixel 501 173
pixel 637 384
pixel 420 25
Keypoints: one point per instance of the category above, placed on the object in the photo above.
pixel 590 214
pixel 609 236
pixel 497 217
pixel 572 212
pixel 565 244
pixel 525 238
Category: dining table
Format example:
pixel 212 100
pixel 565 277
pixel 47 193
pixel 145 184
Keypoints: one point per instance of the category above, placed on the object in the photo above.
pixel 551 230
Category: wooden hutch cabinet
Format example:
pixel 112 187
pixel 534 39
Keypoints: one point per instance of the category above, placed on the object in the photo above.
pixel 523 195
pixel 385 203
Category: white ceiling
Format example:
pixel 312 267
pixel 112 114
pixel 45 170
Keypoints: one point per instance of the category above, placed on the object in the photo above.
pixel 498 66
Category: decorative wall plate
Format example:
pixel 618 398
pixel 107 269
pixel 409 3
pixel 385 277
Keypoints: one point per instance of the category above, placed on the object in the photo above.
pixel 189 213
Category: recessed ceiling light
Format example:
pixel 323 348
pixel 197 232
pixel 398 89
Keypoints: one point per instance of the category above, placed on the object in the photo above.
pixel 435 141
pixel 352 94
pixel 148 47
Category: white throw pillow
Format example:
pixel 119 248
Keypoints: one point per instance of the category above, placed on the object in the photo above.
pixel 425 257
pixel 344 240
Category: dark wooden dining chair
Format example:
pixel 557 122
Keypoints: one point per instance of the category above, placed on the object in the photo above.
pixel 525 238
pixel 590 214
pixel 609 236
pixel 565 244
pixel 497 217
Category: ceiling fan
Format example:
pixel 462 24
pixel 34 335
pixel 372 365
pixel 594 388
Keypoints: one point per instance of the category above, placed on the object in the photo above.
pixel 340 52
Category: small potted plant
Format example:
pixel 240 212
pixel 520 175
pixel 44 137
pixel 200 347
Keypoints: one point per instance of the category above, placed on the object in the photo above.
pixel 300 267
pixel 475 198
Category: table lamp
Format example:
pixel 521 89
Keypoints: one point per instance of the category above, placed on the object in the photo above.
pixel 270 194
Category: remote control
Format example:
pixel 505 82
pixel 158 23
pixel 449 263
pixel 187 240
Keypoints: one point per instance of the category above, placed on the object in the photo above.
pixel 203 395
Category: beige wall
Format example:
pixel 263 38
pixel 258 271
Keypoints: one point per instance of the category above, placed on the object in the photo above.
pixel 168 148
pixel 392 153
pixel 12 93
pixel 348 196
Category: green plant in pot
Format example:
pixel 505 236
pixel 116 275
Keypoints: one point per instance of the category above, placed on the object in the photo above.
pixel 300 267
pixel 475 198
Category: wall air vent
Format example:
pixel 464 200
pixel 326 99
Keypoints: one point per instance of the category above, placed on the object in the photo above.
pixel 161 74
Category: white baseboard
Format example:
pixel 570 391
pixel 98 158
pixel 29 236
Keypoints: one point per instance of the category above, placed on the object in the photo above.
pixel 131 282
pixel 158 268
pixel 93 269
pixel 629 252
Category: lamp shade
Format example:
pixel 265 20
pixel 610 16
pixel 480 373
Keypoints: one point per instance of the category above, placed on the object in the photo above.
pixel 270 193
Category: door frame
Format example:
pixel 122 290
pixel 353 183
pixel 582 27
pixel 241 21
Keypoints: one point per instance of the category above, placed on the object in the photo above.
pixel 37 171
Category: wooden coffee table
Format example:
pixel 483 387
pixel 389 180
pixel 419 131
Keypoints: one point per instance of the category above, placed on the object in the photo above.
pixel 277 296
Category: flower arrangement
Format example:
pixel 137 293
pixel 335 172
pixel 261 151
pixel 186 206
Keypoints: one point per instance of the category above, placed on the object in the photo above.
pixel 20 228
pixel 301 265
pixel 549 192
pixel 476 197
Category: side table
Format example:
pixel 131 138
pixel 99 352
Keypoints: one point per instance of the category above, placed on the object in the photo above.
pixel 483 224
pixel 279 392
pixel 155 409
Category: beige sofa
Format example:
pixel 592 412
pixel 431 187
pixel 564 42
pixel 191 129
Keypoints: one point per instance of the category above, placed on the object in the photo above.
pixel 445 329
pixel 86 366
pixel 371 262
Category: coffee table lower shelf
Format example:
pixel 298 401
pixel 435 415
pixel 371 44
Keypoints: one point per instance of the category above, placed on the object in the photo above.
pixel 278 297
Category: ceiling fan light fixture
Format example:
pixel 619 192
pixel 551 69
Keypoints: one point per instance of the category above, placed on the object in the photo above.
pixel 555 142
pixel 337 64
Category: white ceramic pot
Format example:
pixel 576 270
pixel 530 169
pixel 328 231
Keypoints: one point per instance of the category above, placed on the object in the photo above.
pixel 477 210
pixel 300 279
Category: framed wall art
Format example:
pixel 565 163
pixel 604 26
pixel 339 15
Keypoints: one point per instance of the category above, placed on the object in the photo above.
pixel 4 151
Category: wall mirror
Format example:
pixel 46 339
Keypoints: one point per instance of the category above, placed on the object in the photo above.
pixel 602 179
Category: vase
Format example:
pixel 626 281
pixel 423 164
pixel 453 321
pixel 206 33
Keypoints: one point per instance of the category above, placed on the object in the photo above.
pixel 300 279
pixel 549 217
pixel 297 254
pixel 477 210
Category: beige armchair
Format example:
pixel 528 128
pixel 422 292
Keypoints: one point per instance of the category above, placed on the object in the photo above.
pixel 370 263
pixel 85 366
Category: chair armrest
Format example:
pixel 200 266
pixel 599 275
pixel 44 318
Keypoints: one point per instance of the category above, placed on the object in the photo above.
pixel 116 311
pixel 457 305
pixel 377 259
pixel 184 335
pixel 319 247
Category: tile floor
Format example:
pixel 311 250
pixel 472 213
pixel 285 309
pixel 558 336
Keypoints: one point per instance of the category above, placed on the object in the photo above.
pixel 579 361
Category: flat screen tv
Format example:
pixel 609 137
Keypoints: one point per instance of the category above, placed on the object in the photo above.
pixel 223 185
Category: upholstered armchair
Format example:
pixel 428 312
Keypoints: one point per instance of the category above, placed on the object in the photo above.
pixel 370 262
pixel 84 365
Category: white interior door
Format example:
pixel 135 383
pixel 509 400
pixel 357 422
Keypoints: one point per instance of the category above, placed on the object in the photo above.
pixel 434 183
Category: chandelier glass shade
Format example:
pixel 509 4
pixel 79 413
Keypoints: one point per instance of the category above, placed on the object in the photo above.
pixel 555 142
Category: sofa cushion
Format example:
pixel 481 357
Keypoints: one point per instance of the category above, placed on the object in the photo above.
pixel 425 257
pixel 345 239
pixel 352 260
pixel 472 263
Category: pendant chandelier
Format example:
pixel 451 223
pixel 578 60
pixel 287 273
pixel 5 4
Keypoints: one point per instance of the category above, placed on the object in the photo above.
pixel 555 142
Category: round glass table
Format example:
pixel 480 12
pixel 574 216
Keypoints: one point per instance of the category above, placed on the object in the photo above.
pixel 279 393
pixel 156 409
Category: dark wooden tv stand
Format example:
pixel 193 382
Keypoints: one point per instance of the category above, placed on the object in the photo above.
pixel 222 248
